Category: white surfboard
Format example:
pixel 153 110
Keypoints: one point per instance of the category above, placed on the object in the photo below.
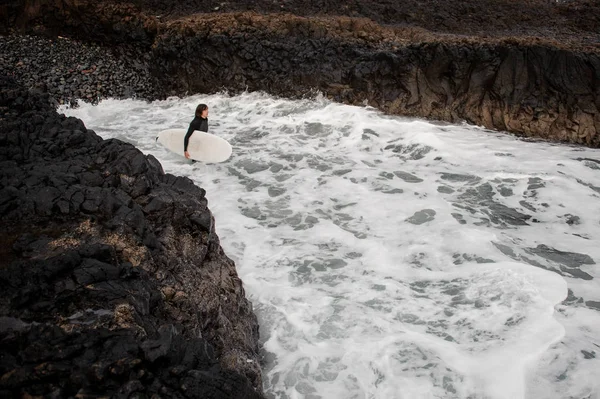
pixel 203 147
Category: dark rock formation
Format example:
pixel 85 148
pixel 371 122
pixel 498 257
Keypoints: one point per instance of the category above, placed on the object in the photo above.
pixel 70 70
pixel 566 21
pixel 560 20
pixel 531 89
pixel 512 76
pixel 112 276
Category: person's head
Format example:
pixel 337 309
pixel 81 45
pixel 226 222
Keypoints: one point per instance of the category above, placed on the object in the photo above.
pixel 202 110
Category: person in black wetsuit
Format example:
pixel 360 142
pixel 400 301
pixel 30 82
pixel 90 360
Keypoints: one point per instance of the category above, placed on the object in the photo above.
pixel 200 122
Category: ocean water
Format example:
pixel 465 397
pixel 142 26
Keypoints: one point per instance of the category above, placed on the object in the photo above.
pixel 389 257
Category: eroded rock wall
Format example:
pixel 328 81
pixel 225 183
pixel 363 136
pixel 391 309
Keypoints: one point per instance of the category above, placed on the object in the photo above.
pixel 530 89
pixel 112 276
pixel 537 87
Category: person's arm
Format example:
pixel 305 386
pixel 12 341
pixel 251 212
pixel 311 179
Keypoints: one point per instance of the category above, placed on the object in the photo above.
pixel 186 140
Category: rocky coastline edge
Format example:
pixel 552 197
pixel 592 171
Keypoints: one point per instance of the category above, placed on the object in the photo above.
pixel 114 281
pixel 114 288
pixel 537 82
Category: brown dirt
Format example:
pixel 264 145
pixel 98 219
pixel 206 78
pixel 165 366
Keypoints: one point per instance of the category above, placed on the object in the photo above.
pixel 563 21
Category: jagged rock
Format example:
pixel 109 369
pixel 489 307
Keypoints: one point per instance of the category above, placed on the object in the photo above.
pixel 534 69
pixel 111 271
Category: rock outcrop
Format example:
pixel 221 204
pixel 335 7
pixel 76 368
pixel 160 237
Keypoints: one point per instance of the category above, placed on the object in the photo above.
pixel 538 80
pixel 565 21
pixel 69 70
pixel 112 276
pixel 525 87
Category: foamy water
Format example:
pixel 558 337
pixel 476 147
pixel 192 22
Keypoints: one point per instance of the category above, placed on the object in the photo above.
pixel 395 258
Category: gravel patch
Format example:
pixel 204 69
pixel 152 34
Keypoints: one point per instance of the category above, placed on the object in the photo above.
pixel 70 70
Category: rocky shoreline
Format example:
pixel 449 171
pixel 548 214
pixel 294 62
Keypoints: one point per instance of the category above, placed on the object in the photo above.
pixel 70 70
pixel 111 285
pixel 538 79
pixel 114 282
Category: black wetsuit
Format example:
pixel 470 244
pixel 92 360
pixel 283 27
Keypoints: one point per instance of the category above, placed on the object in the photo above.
pixel 198 123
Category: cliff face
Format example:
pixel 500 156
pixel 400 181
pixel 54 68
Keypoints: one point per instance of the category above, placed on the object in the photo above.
pixel 530 87
pixel 536 87
pixel 112 275
pixel 526 88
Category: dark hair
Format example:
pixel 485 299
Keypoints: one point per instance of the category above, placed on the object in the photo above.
pixel 200 108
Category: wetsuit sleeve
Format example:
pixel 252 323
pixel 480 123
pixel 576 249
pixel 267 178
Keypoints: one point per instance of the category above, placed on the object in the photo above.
pixel 191 129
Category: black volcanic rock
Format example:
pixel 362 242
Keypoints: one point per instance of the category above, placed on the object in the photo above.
pixel 69 70
pixel 113 279
pixel 524 86
pixel 531 68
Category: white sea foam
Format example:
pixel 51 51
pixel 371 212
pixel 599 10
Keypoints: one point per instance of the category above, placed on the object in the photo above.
pixel 396 258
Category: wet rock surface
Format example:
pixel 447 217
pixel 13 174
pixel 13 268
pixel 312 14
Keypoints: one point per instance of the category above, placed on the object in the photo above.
pixel 114 282
pixel 530 68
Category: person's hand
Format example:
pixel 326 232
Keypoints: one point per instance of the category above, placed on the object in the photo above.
pixel 187 155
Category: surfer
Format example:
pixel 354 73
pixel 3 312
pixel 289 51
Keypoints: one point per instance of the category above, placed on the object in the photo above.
pixel 200 122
